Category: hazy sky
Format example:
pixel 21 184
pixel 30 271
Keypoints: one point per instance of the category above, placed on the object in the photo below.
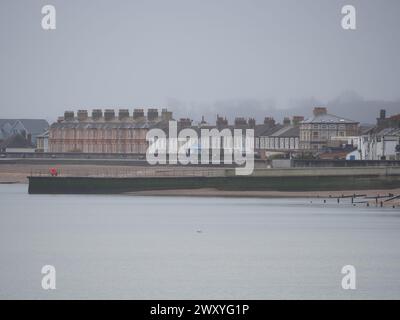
pixel 194 54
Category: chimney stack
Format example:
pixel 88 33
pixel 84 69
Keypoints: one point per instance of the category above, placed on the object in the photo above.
pixel 97 114
pixel 382 121
pixel 318 111
pixel 82 115
pixel 152 114
pixel 286 121
pixel 269 121
pixel 109 114
pixel 252 122
pixel 240 121
pixel 221 122
pixel 69 115
pixel 123 114
pixel 184 123
pixel 166 115
pixel 296 120
pixel 138 114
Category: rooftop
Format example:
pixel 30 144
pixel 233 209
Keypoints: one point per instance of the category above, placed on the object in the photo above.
pixel 103 125
pixel 288 131
pixel 34 126
pixel 389 132
pixel 328 118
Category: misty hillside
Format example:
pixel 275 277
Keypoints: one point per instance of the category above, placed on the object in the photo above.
pixel 348 105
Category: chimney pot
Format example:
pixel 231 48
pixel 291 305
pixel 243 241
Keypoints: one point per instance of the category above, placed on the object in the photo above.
pixel 97 114
pixel 166 115
pixel 109 114
pixel 123 114
pixel 152 114
pixel 320 111
pixel 82 115
pixel 269 121
pixel 69 115
pixel 240 121
pixel 297 119
pixel 138 114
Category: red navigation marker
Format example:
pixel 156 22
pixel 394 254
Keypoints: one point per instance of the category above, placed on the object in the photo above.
pixel 53 172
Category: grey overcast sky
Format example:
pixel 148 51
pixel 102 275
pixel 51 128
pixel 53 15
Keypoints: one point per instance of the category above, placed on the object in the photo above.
pixel 198 57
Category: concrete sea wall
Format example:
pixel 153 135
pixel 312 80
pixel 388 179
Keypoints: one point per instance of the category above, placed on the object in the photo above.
pixel 268 179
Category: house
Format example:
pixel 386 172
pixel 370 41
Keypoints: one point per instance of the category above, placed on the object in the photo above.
pixel 316 132
pixel 353 155
pixel 280 138
pixel 224 133
pixel 285 138
pixel 381 145
pixel 340 153
pixel 42 142
pixel 381 142
pixel 105 132
pixel 29 128
pixel 17 143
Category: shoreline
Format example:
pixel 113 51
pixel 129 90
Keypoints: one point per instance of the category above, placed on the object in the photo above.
pixel 264 194
pixel 210 192
pixel 215 193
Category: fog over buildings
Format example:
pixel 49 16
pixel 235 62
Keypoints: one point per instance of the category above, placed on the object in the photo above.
pixel 236 58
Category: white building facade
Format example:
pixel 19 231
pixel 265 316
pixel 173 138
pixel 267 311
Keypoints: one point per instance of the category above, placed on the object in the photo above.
pixel 383 145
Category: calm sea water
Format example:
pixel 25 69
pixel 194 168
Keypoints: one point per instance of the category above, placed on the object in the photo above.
pixel 150 247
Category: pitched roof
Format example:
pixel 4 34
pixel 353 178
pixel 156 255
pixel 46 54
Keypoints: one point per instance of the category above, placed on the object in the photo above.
pixel 288 131
pixel 282 131
pixel 43 135
pixel 261 128
pixel 389 132
pixel 271 130
pixel 395 117
pixel 366 128
pixel 34 126
pixel 101 125
pixel 328 118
